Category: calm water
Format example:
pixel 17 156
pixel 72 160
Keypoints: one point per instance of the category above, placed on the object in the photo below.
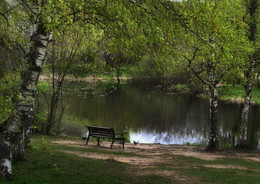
pixel 152 117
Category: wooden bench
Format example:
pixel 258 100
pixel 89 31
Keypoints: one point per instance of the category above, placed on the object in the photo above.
pixel 104 132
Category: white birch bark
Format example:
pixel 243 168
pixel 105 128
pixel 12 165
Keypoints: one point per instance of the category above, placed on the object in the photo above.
pixel 13 131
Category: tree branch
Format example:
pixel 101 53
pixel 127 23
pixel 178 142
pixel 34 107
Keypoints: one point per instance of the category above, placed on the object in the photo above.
pixel 192 69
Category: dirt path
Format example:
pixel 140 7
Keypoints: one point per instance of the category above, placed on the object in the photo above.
pixel 148 156
pixel 158 149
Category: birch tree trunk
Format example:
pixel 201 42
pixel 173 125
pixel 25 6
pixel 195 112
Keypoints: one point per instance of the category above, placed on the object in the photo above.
pixel 252 8
pixel 14 131
pixel 244 116
pixel 213 119
pixel 245 110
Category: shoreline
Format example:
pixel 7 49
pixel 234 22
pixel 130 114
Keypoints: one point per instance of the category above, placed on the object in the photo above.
pixel 230 100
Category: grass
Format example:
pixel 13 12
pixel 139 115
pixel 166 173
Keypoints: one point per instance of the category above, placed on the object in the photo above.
pixel 196 169
pixel 43 168
pixel 45 164
pixel 230 176
pixel 194 162
pixel 236 93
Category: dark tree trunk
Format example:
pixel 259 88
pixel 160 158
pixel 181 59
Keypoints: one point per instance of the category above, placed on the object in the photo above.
pixel 61 115
pixel 52 112
pixel 213 136
pixel 252 8
pixel 15 129
pixel 55 99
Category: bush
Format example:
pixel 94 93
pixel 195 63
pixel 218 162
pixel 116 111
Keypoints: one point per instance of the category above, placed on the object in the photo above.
pixel 182 88
pixel 8 95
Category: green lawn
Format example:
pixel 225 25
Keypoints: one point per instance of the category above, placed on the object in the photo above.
pixel 236 93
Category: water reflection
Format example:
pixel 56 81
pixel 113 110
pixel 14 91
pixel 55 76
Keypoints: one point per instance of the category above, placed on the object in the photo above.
pixel 159 117
pixel 144 136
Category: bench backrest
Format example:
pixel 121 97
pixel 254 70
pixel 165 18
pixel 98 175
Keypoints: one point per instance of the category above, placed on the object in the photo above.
pixel 104 132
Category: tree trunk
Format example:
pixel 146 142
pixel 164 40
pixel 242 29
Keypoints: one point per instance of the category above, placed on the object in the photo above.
pixel 52 111
pixel 55 99
pixel 213 136
pixel 252 8
pixel 5 155
pixel 61 115
pixel 14 130
pixel 242 144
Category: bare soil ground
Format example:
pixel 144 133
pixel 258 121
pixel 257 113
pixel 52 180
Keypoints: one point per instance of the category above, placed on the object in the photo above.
pixel 148 156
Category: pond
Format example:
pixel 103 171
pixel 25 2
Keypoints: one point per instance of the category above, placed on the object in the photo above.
pixel 149 116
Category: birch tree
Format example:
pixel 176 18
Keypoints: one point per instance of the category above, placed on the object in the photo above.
pixel 13 131
pixel 252 19
pixel 217 45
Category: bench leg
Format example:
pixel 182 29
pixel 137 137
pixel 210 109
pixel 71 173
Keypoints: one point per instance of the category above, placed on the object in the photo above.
pixel 112 144
pixel 87 140
pixel 123 144
pixel 98 141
